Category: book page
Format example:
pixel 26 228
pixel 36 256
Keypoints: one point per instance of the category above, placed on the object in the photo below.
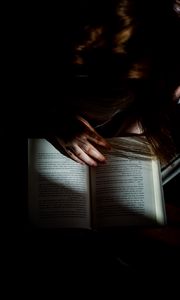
pixel 126 191
pixel 58 188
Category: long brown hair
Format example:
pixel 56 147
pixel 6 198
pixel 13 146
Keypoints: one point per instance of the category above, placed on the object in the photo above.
pixel 119 50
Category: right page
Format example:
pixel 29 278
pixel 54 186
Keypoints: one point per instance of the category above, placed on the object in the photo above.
pixel 127 190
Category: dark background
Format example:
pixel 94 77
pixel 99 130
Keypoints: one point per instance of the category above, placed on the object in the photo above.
pixel 54 259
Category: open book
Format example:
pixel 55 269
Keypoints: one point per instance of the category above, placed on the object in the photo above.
pixel 64 194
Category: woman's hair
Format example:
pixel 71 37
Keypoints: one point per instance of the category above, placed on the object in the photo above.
pixel 123 57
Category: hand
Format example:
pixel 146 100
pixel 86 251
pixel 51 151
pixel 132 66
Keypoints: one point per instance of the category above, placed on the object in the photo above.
pixel 79 141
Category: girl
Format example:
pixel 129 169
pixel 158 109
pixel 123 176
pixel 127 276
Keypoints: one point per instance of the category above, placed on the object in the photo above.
pixel 120 73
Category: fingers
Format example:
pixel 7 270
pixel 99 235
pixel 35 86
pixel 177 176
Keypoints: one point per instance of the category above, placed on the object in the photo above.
pixel 93 136
pixel 85 153
pixel 91 151
pixel 97 139
pixel 85 158
pixel 80 147
pixel 81 151
pixel 73 156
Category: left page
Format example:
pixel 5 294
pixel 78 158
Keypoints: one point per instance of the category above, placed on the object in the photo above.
pixel 58 188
